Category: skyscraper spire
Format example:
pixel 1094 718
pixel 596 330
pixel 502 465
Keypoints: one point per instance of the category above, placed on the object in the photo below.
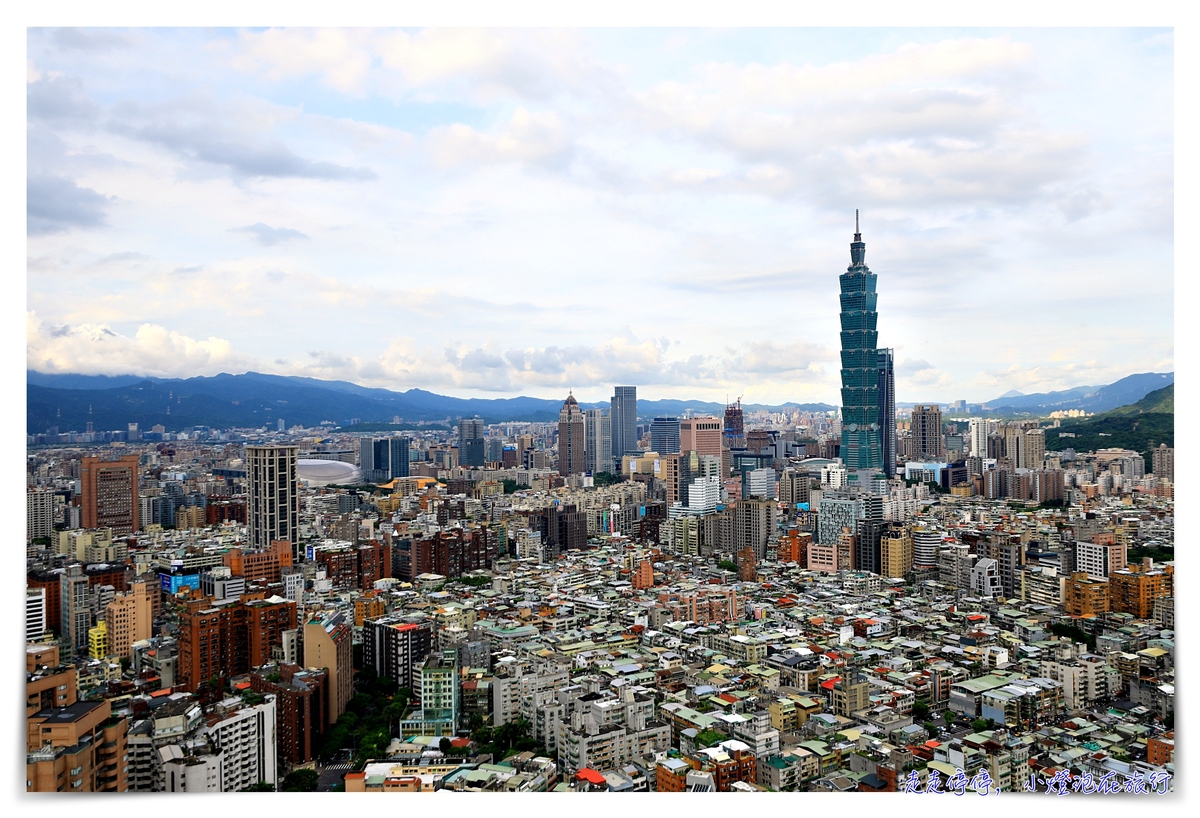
pixel 860 449
pixel 858 248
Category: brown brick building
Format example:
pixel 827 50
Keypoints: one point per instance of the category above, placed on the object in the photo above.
pixel 222 639
pixel 109 494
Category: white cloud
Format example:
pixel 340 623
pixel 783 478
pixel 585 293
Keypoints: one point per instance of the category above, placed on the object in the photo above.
pixel 527 137
pixel 95 349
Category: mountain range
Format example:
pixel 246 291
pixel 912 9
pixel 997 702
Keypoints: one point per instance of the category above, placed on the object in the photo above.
pixel 1128 390
pixel 254 399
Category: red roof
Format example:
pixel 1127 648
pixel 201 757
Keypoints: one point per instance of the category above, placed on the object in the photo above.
pixel 725 697
pixel 166 691
pixel 241 686
pixel 589 775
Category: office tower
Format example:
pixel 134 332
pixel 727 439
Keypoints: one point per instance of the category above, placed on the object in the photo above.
pixel 110 494
pixel 383 458
pixel 129 619
pixel 597 441
pixel 735 428
pixel 887 410
pixel 978 437
pixel 927 434
pixel 623 422
pixel 470 442
pixel 868 545
pixel 494 450
pixel 76 613
pixel 398 456
pixel 860 448
pixel 758 483
pixel 665 435
pixel 39 513
pixel 570 438
pixel 328 644
pixel 794 485
pixel 701 435
pixel 272 505
pixel 280 425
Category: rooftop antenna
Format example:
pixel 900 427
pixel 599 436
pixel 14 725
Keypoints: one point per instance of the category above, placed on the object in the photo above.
pixel 856 230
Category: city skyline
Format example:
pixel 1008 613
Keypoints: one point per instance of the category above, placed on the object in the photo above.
pixel 586 202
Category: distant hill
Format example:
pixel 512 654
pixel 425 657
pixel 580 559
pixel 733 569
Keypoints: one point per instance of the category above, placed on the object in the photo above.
pixel 1090 398
pixel 1140 426
pixel 1158 401
pixel 70 402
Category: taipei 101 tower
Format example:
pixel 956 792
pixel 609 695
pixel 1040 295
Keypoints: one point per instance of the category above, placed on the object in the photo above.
pixel 860 450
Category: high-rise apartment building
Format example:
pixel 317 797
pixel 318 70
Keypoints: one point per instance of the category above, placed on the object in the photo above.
pixel 328 644
pixel 129 619
pixel 977 435
pixel 794 486
pixel 1163 461
pixel 471 448
pixel 665 435
pixel 39 513
pixel 76 615
pixel 860 447
pixel 623 419
pixel 109 492
pixel 887 410
pixel 597 441
pixel 396 648
pixel 571 433
pixel 1035 449
pixel 754 522
pixel 272 501
pixel 229 638
pixel 926 430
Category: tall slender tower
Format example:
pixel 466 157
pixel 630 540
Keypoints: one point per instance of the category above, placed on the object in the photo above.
pixel 887 411
pixel 272 505
pixel 570 438
pixel 623 421
pixel 860 363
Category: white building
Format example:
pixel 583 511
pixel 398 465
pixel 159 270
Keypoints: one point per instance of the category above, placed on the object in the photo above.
pixel 35 614
pixel 985 578
pixel 246 739
pixel 760 483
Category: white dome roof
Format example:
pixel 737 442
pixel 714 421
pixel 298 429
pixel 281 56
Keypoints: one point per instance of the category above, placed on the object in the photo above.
pixel 323 472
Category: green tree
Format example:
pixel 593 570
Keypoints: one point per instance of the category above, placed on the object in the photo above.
pixel 304 780
pixel 727 565
pixel 261 786
pixel 931 729
pixel 445 746
pixel 920 710
pixel 948 717
pixel 510 486
pixel 979 725
pixel 605 478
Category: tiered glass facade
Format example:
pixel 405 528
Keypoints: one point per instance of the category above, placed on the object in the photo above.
pixel 860 362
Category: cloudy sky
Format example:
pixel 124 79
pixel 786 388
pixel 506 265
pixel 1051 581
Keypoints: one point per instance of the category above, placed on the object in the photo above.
pixel 501 212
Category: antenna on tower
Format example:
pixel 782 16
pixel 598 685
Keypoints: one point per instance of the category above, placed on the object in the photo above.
pixel 856 230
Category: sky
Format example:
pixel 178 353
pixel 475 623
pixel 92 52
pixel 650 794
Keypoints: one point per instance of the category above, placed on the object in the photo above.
pixel 507 211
